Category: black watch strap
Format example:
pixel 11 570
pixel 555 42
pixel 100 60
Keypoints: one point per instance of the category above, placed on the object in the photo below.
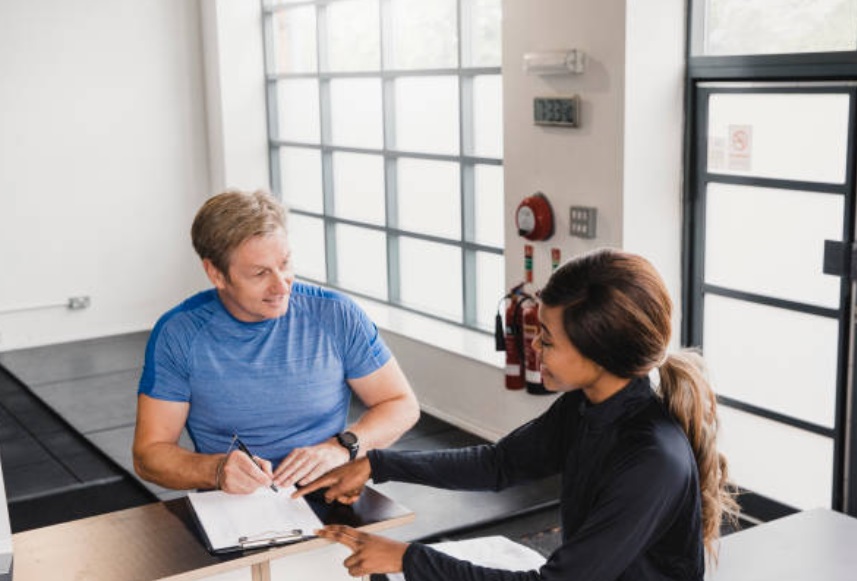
pixel 349 441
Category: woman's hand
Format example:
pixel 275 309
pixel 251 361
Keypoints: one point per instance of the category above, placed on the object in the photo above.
pixel 370 553
pixel 344 484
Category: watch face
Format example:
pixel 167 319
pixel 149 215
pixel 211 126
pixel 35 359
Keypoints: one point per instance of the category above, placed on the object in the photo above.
pixel 347 439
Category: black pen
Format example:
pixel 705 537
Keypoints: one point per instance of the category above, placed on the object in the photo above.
pixel 246 450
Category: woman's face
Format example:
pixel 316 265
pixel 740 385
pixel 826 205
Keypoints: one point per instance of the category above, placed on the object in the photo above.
pixel 563 367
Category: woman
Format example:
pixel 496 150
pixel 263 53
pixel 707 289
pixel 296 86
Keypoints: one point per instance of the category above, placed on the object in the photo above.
pixel 643 485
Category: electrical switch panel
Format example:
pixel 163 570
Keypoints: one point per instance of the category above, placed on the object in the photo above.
pixel 583 221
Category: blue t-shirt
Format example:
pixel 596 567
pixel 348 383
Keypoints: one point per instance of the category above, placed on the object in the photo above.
pixel 279 383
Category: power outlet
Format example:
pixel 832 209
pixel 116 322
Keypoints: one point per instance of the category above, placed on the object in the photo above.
pixel 77 303
pixel 583 219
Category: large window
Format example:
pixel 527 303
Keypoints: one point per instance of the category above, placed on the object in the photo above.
pixel 385 125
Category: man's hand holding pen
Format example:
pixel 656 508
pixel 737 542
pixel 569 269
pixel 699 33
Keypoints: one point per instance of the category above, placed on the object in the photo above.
pixel 240 472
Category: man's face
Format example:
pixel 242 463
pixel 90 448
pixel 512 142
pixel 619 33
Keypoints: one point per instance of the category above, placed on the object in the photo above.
pixel 260 278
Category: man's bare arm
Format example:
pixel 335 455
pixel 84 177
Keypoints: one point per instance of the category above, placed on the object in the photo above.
pixel 158 457
pixel 392 407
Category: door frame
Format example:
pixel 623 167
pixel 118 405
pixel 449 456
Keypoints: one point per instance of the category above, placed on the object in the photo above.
pixel 844 493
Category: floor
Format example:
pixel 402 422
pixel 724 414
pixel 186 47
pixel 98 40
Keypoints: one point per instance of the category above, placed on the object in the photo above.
pixel 51 473
pixel 66 424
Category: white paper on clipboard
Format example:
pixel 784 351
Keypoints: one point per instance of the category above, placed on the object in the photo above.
pixel 233 522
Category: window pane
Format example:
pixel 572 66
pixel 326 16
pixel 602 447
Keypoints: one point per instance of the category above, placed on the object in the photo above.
pixel 488 186
pixel 431 277
pixel 484 33
pixel 361 260
pixel 789 465
pixel 490 273
pixel 297 110
pixel 356 119
pixel 427 114
pixel 300 178
pixel 353 36
pixel 779 26
pixel 294 40
pixel 771 242
pixel 776 135
pixel 776 359
pixel 424 34
pixel 429 199
pixel 488 116
pixel 306 236
pixel 358 187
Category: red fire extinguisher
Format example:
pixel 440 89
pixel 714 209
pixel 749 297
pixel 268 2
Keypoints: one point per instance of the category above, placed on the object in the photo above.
pixel 529 317
pixel 532 362
pixel 508 337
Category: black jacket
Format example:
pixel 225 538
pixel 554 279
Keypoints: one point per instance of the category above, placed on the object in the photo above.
pixel 630 502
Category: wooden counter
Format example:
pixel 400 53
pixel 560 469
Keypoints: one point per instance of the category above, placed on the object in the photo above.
pixel 161 541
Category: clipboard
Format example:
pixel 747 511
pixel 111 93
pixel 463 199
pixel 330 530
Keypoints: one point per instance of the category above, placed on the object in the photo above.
pixel 231 523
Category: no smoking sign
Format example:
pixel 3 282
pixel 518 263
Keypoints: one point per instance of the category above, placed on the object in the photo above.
pixel 740 147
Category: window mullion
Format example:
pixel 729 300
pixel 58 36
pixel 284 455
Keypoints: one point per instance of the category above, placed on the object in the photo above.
pixel 465 133
pixel 272 105
pixel 324 106
pixel 391 189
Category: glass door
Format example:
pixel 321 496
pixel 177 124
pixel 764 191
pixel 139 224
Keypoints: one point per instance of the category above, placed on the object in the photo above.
pixel 772 181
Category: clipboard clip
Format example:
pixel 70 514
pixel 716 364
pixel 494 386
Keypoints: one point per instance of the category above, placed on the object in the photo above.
pixel 270 538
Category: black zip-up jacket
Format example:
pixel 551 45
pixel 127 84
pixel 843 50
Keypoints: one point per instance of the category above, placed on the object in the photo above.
pixel 630 502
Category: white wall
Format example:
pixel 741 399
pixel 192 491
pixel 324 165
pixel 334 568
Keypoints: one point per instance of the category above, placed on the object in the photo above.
pixel 103 160
pixel 654 128
pixel 465 392
pixel 625 158
pixel 571 166
pixel 105 149
pixel 235 95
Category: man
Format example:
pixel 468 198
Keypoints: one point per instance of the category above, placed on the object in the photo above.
pixel 264 358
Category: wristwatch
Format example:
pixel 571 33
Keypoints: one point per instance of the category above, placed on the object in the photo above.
pixel 349 441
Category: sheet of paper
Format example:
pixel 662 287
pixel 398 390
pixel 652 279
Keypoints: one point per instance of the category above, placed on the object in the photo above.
pixel 263 514
pixel 496 552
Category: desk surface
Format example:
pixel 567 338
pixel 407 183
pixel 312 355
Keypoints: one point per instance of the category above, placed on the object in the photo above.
pixel 161 541
pixel 807 546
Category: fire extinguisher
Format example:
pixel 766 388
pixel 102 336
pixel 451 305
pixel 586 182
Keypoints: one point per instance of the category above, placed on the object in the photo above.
pixel 532 363
pixel 508 337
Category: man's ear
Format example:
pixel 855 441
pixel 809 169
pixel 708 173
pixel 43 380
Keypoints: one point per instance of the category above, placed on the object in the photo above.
pixel 217 278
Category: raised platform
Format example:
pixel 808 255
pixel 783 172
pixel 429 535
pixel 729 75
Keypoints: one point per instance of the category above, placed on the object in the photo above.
pixel 51 473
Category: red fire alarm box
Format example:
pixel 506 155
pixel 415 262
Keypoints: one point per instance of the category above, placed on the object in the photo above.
pixel 534 217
